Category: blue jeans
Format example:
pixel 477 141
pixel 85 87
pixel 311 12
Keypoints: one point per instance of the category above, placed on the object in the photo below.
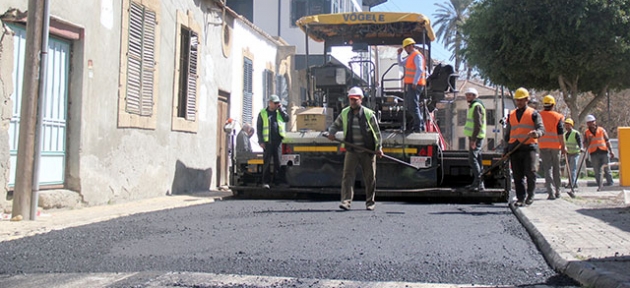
pixel 474 159
pixel 573 163
pixel 412 104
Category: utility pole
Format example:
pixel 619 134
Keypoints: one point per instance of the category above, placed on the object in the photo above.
pixel 28 113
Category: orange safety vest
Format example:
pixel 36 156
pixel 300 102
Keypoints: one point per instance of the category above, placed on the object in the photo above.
pixel 519 130
pixel 595 141
pixel 410 69
pixel 550 139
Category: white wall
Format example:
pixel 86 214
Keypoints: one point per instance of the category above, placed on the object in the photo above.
pixel 264 52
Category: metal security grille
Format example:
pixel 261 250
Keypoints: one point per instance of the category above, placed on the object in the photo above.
pixel 140 60
pixel 248 70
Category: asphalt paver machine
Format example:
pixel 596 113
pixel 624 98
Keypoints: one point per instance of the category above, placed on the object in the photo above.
pixel 312 164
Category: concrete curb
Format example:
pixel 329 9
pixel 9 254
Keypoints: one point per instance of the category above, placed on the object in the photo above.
pixel 580 271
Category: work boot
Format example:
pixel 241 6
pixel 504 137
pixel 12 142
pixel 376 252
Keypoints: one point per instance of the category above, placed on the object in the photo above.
pixel 529 200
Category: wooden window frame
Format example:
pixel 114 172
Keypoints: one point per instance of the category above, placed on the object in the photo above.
pixel 142 115
pixel 186 118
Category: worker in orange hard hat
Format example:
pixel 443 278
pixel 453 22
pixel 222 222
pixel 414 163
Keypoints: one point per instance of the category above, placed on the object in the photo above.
pixel 551 145
pixel 573 142
pixel 598 145
pixel 360 128
pixel 524 125
pixel 414 80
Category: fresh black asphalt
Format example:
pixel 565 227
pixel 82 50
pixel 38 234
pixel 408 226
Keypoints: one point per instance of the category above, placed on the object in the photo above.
pixel 399 241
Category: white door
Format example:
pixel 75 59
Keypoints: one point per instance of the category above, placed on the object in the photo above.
pixel 53 152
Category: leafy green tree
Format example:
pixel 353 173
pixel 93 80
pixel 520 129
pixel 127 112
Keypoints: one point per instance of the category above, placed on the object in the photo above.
pixel 581 47
pixel 450 16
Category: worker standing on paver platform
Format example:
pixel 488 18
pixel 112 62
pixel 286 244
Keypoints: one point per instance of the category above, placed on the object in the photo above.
pixel 414 80
pixel 524 126
pixel 598 145
pixel 551 145
pixel 573 142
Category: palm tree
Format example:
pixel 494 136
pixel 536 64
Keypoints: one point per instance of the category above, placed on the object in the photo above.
pixel 450 16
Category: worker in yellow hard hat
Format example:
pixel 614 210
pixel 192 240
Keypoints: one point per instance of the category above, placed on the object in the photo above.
pixel 414 80
pixel 573 143
pixel 524 125
pixel 551 144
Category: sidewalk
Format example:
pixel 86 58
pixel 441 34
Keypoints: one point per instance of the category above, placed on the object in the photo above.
pixel 586 238
pixel 63 218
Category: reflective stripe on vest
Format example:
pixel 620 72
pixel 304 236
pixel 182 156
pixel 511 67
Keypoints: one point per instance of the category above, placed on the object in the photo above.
pixel 410 69
pixel 550 139
pixel 521 129
pixel 470 125
pixel 572 144
pixel 265 127
pixel 596 141
pixel 368 115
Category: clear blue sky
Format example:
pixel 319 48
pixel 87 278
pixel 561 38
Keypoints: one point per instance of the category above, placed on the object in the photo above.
pixel 424 7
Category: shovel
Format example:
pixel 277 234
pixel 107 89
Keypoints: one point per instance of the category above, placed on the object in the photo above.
pixel 373 152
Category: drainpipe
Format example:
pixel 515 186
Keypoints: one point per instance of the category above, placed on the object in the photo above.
pixel 40 109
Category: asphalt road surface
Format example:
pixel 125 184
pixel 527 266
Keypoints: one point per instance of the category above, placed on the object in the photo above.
pixel 407 242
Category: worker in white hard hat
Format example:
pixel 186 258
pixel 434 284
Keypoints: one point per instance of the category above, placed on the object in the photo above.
pixel 360 128
pixel 573 142
pixel 475 130
pixel 524 125
pixel 551 145
pixel 414 80
pixel 598 145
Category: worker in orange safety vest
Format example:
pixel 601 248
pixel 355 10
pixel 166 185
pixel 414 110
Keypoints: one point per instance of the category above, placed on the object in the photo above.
pixel 525 126
pixel 551 145
pixel 414 81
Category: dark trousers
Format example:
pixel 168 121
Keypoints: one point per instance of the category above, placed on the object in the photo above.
pixel 474 159
pixel 271 153
pixel 412 105
pixel 524 165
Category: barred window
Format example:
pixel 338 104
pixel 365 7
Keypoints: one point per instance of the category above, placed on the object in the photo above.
pixel 248 70
pixel 461 117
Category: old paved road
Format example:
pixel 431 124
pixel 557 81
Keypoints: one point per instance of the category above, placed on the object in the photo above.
pixel 405 242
